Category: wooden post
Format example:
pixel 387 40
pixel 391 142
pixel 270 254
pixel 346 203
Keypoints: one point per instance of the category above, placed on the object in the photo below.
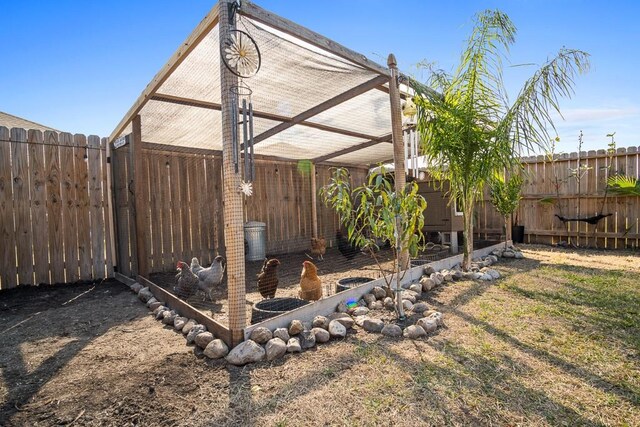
pixel 398 162
pixel 233 206
pixel 314 201
pixel 139 204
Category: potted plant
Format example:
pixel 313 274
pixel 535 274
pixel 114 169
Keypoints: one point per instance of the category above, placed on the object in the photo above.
pixel 505 196
pixel 375 212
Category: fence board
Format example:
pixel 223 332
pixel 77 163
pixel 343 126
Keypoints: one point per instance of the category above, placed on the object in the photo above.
pixel 81 159
pixel 21 205
pixel 69 218
pixel 54 206
pixel 37 170
pixel 8 272
pixel 96 208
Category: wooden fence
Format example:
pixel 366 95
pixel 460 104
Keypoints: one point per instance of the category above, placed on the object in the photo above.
pixel 53 208
pixel 183 206
pixel 620 230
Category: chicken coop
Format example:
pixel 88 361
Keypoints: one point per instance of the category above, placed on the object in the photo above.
pixel 235 135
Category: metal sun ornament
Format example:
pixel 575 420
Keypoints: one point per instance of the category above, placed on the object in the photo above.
pixel 241 54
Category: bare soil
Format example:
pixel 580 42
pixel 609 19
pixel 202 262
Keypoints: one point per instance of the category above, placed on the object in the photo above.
pixel 555 342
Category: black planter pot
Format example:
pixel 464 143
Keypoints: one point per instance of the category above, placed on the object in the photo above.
pixel 351 282
pixel 517 233
pixel 268 308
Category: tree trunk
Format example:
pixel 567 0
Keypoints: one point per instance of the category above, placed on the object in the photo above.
pixel 468 235
pixel 507 230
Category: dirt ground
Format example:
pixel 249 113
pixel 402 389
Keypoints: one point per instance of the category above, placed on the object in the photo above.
pixel 555 342
pixel 330 270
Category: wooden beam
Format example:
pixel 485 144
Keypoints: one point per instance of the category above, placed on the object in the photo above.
pixel 233 212
pixel 375 141
pixel 199 33
pixel 314 201
pixel 139 178
pixel 259 14
pixel 398 161
pixel 336 100
pixel 259 114
pixel 187 310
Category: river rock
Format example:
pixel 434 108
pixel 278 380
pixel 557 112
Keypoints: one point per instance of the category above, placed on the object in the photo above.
pixel 154 305
pixel 428 324
pixel 407 305
pixel 428 270
pixel 248 351
pixel 518 255
pixel 203 339
pixel 136 287
pixel 197 329
pixel 360 311
pixel 293 345
pixel 410 296
pixel 145 295
pixel 456 274
pixel 321 334
pixel 420 307
pixel 337 329
pixel 413 332
pixel 360 320
pixel 376 305
pixel 346 320
pixel 307 339
pixel 320 322
pixel 379 292
pixel 151 300
pixel 168 317
pixel 427 284
pixel 295 327
pixel 373 325
pixel 216 349
pixel 448 277
pixel 508 254
pixel 160 312
pixel 437 316
pixel 282 333
pixel 275 348
pixel 179 322
pixel 369 299
pixel 417 288
pixel 392 330
pixel 389 303
pixel 188 325
pixel 261 335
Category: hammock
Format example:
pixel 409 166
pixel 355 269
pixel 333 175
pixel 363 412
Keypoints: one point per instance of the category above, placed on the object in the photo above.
pixel 593 220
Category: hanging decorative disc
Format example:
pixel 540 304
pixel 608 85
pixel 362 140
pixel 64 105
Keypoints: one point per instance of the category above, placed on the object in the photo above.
pixel 240 54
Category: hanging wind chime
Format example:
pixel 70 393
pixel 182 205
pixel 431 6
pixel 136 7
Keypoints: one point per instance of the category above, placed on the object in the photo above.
pixel 240 54
pixel 411 150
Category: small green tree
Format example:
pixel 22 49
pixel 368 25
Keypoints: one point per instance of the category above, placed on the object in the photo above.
pixel 505 196
pixel 468 127
pixel 375 212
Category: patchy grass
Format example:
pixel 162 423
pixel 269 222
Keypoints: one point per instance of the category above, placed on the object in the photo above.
pixel 555 342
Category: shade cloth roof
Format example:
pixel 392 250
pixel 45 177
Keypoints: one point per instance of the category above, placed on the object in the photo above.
pixel 337 98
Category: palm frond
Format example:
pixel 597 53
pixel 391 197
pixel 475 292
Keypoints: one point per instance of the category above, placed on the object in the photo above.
pixel 624 185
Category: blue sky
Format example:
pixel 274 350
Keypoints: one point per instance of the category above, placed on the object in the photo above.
pixel 79 65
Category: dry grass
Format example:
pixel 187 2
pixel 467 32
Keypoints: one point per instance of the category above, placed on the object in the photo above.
pixel 556 342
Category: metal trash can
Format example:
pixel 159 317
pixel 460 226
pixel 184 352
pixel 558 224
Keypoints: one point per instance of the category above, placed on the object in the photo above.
pixel 255 236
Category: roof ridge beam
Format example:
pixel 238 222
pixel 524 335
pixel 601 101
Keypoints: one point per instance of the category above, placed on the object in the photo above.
pixel 259 114
pixel 375 141
pixel 330 103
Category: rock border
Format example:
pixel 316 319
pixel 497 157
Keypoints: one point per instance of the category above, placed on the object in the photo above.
pixel 264 344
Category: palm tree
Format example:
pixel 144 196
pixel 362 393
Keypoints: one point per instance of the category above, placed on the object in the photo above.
pixel 469 129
